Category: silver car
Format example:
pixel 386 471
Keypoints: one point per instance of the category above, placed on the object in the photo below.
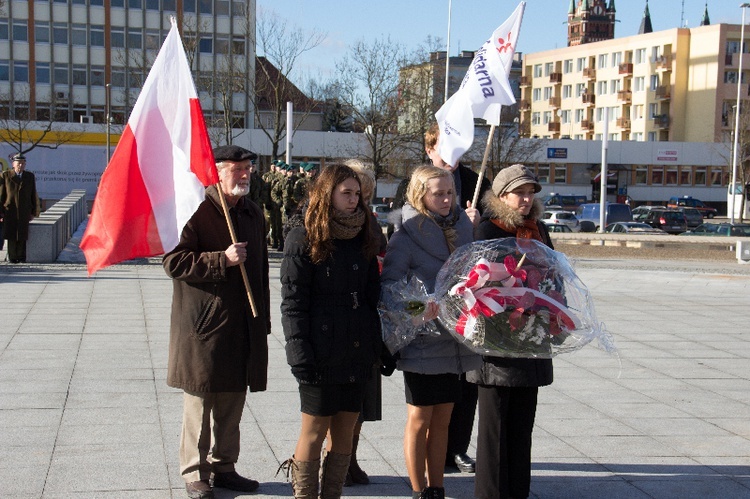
pixel 563 218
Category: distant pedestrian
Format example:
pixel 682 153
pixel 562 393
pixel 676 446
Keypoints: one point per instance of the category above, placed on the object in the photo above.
pixel 330 290
pixel 19 204
pixel 217 349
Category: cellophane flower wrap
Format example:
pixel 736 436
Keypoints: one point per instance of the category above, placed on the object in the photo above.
pixel 399 303
pixel 516 298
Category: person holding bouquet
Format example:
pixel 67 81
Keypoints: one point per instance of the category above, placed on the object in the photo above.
pixel 508 387
pixel 330 289
pixel 430 228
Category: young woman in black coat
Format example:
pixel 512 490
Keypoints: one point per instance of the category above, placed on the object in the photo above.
pixel 330 289
pixel 508 387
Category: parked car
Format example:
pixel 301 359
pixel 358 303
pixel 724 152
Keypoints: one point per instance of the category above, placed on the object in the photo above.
pixel 632 228
pixel 381 213
pixel 691 202
pixel 641 212
pixel 558 228
pixel 563 201
pixel 692 216
pixel 562 217
pixel 668 220
pixel 720 229
pixel 615 212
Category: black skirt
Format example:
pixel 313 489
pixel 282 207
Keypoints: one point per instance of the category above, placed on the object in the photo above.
pixel 431 389
pixel 327 400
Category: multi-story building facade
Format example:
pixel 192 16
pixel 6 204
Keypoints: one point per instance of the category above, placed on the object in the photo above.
pixel 676 85
pixel 56 57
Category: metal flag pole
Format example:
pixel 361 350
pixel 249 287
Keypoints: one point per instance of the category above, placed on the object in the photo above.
pixel 448 53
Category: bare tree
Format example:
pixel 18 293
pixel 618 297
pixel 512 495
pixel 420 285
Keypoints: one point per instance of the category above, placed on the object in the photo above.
pixel 368 85
pixel 280 46
pixel 743 158
pixel 23 133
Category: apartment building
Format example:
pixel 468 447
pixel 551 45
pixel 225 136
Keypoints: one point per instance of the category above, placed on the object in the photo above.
pixel 57 57
pixel 676 85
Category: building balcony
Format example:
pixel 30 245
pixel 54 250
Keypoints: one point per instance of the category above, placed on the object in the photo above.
pixel 626 68
pixel 555 78
pixel 553 126
pixel 524 105
pixel 589 73
pixel 663 93
pixel 624 96
pixel 623 123
pixel 664 63
pixel 554 102
pixel 588 99
pixel 526 81
pixel 587 125
pixel 661 121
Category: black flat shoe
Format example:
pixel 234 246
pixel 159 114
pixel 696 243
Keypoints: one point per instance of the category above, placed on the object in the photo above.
pixel 463 462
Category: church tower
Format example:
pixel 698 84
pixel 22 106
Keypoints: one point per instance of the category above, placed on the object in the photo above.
pixel 590 21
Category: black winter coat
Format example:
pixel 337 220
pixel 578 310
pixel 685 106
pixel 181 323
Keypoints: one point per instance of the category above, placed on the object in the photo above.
pixel 329 311
pixel 500 371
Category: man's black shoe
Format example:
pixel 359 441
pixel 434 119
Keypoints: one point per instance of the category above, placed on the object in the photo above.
pixel 199 490
pixel 463 462
pixel 233 481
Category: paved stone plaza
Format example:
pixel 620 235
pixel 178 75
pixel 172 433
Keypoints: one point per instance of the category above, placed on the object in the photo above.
pixel 85 410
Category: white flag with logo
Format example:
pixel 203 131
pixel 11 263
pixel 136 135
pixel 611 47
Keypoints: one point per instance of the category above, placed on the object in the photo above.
pixel 483 92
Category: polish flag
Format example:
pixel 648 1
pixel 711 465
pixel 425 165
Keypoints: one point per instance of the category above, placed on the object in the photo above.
pixel 159 171
pixel 483 92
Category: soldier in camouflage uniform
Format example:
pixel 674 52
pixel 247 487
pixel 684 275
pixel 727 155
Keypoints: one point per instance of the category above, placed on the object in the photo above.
pixel 256 186
pixel 274 206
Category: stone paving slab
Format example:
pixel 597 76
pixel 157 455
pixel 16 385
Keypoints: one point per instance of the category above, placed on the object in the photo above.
pixel 87 413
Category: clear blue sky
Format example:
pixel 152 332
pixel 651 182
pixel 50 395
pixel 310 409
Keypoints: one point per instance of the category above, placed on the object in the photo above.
pixel 411 21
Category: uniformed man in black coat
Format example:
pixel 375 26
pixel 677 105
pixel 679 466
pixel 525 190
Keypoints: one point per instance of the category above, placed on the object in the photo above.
pixel 19 204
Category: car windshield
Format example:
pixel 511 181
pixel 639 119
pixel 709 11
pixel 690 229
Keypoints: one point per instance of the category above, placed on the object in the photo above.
pixel 672 216
pixel 741 231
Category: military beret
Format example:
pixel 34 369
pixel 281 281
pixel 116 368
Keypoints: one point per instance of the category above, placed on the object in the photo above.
pixel 309 167
pixel 233 153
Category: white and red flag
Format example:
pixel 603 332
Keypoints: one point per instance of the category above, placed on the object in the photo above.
pixel 158 173
pixel 483 92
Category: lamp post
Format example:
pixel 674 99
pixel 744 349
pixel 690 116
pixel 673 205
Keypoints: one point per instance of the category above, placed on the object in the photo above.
pixel 737 117
pixel 108 118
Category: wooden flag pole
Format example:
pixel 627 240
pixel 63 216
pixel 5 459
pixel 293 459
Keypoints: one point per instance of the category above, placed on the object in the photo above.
pixel 484 166
pixel 233 235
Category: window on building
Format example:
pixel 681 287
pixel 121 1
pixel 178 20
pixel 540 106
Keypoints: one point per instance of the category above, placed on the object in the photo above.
pixel 614 113
pixel 613 136
pixel 42 72
pixel 96 35
pixel 717 175
pixel 79 75
pixel 567 91
pixel 222 7
pixel 641 175
pixel 4 70
pixel 536 94
pixel 152 4
pixel 60 72
pixel 60 33
pixel 561 174
pixel 652 136
pixel 206 6
pixel 731 77
pixel 117 3
pixel 547 93
pixel 536 119
pixel 653 110
pixel 657 175
pixel 568 66
pixel 188 6
pixel 599 114
pixel 118 77
pixel 655 53
pixel 542 173
pixel 602 61
pixel 636 136
pixel 640 56
pixel 135 4
pixel 700 175
pixel 20 71
pixel 135 38
pixel 205 46
pixel 565 116
pixel 537 71
pixel 78 34
pixel 578 136
pixel 654 82
pixel 549 68
pixel 686 175
pixel 238 45
pixel 4 33
pixel 169 5
pixel 152 39
pixel 547 117
pixel 614 86
pixel 20 31
pixel 636 112
pixel 222 44
pixel 79 2
pixel 671 176
pixel 601 88
pixel 97 76
pixel 580 89
pixel 238 7
pixel 639 83
pixel 580 64
pixel 616 59
pixel 41 32
pixel 96 3
pixel 580 115
pixel 117 37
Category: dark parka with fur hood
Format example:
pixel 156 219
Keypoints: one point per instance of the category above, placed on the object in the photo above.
pixel 215 344
pixel 498 371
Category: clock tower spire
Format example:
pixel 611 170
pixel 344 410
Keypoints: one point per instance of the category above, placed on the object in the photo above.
pixel 590 21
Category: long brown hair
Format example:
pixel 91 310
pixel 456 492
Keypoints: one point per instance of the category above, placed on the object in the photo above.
pixel 321 210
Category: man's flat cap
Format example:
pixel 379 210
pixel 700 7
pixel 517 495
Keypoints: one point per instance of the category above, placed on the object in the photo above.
pixel 233 153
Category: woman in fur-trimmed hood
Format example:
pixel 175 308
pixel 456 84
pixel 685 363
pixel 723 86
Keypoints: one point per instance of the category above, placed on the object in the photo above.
pixel 508 387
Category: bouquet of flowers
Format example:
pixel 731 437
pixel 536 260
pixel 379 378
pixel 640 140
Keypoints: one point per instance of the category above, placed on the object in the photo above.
pixel 399 304
pixel 516 298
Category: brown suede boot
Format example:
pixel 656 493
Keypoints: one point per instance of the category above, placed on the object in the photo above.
pixel 304 477
pixel 332 474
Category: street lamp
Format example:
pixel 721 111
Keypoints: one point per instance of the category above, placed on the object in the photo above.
pixel 108 117
pixel 737 116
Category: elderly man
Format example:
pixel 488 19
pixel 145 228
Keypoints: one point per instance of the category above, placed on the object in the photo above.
pixel 19 204
pixel 217 349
